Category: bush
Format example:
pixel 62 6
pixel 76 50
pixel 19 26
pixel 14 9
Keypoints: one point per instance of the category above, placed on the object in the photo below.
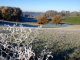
pixel 42 20
pixel 56 19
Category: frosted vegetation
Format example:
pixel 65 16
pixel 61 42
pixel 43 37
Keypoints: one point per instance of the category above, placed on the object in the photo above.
pixel 42 43
pixel 64 42
pixel 17 43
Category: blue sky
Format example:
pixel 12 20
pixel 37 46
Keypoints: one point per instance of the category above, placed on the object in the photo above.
pixel 43 5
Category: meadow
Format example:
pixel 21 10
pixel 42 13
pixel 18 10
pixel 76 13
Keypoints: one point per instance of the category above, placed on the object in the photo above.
pixel 72 20
pixel 63 42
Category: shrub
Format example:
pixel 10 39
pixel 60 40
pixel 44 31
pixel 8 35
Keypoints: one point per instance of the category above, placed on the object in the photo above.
pixel 56 19
pixel 42 20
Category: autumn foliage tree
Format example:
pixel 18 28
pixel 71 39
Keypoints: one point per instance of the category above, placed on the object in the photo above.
pixel 10 13
pixel 42 20
pixel 56 19
pixel 0 14
pixel 1 7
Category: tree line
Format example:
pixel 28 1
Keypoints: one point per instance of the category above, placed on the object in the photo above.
pixel 10 13
pixel 52 13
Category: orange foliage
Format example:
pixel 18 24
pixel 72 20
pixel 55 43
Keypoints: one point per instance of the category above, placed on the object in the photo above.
pixel 56 19
pixel 42 20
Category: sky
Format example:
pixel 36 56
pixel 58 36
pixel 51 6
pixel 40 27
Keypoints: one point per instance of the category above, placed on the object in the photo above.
pixel 43 5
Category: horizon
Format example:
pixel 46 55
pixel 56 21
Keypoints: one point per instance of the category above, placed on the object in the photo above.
pixel 43 5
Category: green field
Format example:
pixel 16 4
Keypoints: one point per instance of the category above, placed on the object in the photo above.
pixel 72 20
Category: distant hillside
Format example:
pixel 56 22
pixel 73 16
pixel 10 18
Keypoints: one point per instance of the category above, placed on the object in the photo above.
pixel 33 13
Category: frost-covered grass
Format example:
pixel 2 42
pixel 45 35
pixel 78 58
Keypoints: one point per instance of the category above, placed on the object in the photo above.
pixel 63 42
pixel 17 43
